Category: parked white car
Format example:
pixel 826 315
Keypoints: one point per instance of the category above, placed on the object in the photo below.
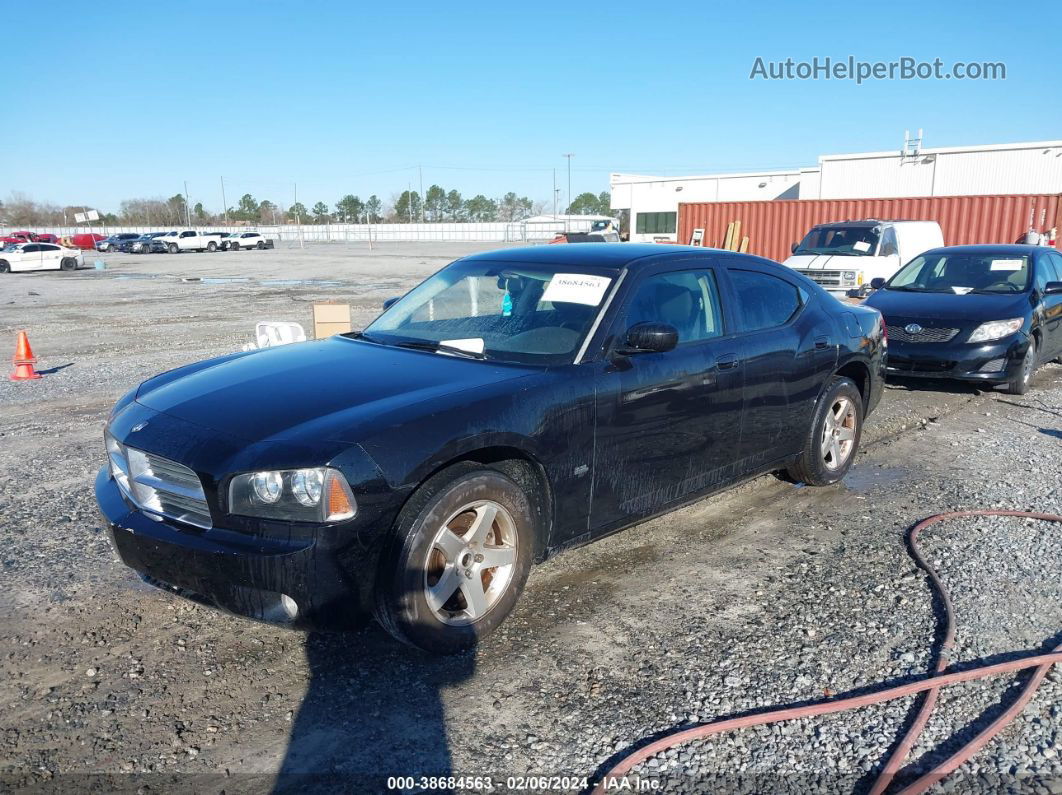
pixel 39 256
pixel 845 256
pixel 238 240
pixel 190 240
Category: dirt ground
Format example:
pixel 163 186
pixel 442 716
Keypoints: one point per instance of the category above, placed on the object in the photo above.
pixel 107 683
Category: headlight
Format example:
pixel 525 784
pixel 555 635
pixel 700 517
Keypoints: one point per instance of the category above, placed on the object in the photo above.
pixel 996 329
pixel 301 495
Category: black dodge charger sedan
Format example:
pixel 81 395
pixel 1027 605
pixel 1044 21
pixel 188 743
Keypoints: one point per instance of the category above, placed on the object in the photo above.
pixel 987 314
pixel 516 403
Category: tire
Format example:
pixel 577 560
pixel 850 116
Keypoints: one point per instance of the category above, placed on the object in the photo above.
pixel 212 247
pixel 1019 382
pixel 235 246
pixel 68 264
pixel 434 590
pixel 5 267
pixel 833 439
pixel 260 245
pixel 172 248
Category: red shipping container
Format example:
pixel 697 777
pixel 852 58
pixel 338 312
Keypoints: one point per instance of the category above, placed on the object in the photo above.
pixel 773 226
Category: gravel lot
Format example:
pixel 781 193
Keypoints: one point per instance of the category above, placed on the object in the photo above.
pixel 768 594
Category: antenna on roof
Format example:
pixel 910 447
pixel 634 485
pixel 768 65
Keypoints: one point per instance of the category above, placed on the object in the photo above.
pixel 911 146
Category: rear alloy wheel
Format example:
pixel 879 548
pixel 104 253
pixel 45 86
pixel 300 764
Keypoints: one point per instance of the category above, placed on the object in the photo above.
pixel 833 438
pixel 5 267
pixel 458 561
pixel 212 247
pixel 68 264
pixel 1019 382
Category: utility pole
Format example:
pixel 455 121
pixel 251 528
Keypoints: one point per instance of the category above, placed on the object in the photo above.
pixel 420 172
pixel 187 206
pixel 224 203
pixel 409 200
pixel 298 217
pixel 569 155
pixel 554 195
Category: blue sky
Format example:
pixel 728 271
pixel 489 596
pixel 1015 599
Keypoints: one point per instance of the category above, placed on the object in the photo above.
pixel 346 99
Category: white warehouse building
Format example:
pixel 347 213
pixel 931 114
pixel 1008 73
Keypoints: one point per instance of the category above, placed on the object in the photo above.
pixel 1030 167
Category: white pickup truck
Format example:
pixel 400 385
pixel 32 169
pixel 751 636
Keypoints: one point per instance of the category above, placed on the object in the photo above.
pixel 845 256
pixel 190 240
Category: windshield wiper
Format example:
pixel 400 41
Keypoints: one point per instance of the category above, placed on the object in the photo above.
pixel 436 347
pixel 361 335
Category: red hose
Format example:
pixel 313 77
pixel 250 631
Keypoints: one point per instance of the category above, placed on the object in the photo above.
pixel 931 687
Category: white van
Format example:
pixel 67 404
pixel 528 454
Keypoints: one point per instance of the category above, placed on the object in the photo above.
pixel 844 256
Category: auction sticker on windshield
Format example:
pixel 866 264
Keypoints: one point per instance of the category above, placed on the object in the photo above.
pixel 576 288
pixel 861 245
pixel 1007 264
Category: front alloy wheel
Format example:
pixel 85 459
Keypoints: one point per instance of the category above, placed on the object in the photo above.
pixel 471 562
pixel 457 560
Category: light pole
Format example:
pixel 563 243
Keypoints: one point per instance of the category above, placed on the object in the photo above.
pixel 569 155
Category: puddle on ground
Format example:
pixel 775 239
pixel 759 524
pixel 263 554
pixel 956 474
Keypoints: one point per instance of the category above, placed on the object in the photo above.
pixel 298 283
pixel 863 478
pixel 126 276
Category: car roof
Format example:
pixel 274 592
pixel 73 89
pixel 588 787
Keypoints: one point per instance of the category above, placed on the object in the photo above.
pixel 602 255
pixel 1020 249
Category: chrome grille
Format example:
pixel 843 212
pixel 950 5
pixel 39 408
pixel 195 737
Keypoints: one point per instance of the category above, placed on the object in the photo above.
pixel 158 486
pixel 825 278
pixel 900 334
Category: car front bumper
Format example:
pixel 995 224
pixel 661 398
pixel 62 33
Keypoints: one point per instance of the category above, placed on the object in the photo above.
pixel 990 363
pixel 328 582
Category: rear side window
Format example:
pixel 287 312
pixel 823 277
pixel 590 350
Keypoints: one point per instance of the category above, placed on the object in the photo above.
pixel 687 300
pixel 764 301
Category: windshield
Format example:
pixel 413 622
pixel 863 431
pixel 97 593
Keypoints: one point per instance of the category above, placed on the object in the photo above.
pixel 963 273
pixel 530 314
pixel 858 241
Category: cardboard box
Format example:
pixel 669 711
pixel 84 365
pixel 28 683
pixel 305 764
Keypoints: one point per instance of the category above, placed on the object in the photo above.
pixel 330 318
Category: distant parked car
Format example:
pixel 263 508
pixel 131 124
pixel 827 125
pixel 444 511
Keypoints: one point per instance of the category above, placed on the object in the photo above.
pixel 39 256
pixel 114 241
pixel 987 314
pixel 139 245
pixel 248 240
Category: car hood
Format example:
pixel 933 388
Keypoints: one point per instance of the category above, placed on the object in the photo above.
pixel 330 389
pixel 972 307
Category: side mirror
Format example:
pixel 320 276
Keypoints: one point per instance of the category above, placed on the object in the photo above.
pixel 391 302
pixel 650 338
pixel 793 248
pixel 1053 288
pixel 877 284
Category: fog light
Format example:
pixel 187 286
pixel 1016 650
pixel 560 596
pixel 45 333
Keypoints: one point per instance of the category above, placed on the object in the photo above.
pixel 291 609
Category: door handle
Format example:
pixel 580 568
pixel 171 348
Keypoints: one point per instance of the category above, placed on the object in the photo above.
pixel 726 362
pixel 822 343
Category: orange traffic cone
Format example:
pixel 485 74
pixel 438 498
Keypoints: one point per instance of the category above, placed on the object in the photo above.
pixel 24 360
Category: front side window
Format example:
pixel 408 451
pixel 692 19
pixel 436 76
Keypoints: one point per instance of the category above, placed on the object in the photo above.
pixel 687 300
pixel 1051 265
pixel 656 223
pixel 764 301
pixel 946 272
pixel 528 313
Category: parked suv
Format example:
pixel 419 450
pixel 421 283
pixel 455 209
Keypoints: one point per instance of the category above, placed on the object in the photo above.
pixel 113 242
pixel 240 240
